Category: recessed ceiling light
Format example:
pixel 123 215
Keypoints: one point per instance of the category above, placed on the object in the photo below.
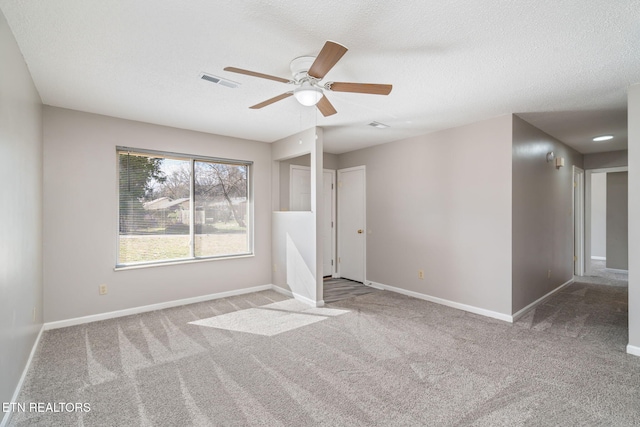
pixel 378 125
pixel 603 138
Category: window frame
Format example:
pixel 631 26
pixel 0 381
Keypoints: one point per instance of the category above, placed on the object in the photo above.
pixel 192 201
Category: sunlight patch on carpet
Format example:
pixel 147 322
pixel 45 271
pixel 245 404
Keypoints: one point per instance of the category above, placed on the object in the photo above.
pixel 270 319
pixel 259 321
pixel 300 307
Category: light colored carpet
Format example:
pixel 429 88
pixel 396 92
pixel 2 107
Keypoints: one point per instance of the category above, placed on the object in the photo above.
pixel 391 360
pixel 339 289
pixel 602 275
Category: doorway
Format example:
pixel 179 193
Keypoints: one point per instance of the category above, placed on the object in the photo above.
pixel 352 223
pixel 606 222
pixel 300 200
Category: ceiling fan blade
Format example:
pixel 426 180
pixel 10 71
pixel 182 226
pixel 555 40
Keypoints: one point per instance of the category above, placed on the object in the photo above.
pixel 371 88
pixel 272 100
pixel 325 107
pixel 255 74
pixel 328 57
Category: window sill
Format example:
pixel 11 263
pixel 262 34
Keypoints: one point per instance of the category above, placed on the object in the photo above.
pixel 179 262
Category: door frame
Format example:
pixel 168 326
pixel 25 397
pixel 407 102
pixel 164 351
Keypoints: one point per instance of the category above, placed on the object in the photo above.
pixel 578 221
pixel 363 168
pixel 587 210
pixel 334 222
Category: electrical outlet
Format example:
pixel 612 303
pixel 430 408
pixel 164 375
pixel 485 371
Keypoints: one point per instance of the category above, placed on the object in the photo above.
pixel 549 274
pixel 102 289
pixel 421 274
pixel 275 268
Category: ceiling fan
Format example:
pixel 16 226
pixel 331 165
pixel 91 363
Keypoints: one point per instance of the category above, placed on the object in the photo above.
pixel 308 71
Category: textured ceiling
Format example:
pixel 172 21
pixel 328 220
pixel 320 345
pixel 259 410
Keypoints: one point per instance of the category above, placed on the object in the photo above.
pixel 564 65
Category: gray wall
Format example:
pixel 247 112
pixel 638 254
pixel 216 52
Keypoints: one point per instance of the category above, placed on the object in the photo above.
pixel 542 214
pixel 329 161
pixel 21 213
pixel 617 214
pixel 634 215
pixel 81 217
pixel 609 159
pixel 441 202
pixel 598 215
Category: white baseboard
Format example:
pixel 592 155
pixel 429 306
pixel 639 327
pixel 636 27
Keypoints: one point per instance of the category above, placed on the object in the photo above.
pixel 599 258
pixel 521 312
pixel 299 297
pixel 442 301
pixel 632 349
pixel 152 307
pixel 290 294
pixel 7 416
pixel 308 300
pixel 282 291
pixel 176 303
pixel 375 285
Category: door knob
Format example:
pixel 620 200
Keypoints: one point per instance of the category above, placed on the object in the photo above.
pixel 360 231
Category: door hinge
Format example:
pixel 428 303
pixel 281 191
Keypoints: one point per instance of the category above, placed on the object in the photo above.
pixel 575 184
pixel 332 262
pixel 575 258
pixel 332 186
pixel 331 224
pixel 338 260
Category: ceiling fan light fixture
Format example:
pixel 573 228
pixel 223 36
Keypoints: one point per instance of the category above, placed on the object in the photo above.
pixel 308 95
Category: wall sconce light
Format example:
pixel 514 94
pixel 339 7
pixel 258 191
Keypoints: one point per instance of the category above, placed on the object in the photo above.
pixel 559 162
pixel 550 156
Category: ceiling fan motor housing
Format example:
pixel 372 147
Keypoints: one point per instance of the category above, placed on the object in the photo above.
pixel 300 66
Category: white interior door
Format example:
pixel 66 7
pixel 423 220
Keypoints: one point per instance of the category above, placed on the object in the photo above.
pixel 351 223
pixel 300 200
pixel 300 188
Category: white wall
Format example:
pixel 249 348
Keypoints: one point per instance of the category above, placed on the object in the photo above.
pixel 293 253
pixel 599 215
pixel 296 248
pixel 20 213
pixel 81 217
pixel 634 219
pixel 441 202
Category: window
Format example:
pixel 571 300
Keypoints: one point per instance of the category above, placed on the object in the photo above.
pixel 176 207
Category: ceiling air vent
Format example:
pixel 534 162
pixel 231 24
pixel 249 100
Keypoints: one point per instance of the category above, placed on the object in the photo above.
pixel 378 125
pixel 219 80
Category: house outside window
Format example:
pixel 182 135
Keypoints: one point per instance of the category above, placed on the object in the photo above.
pixel 176 207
